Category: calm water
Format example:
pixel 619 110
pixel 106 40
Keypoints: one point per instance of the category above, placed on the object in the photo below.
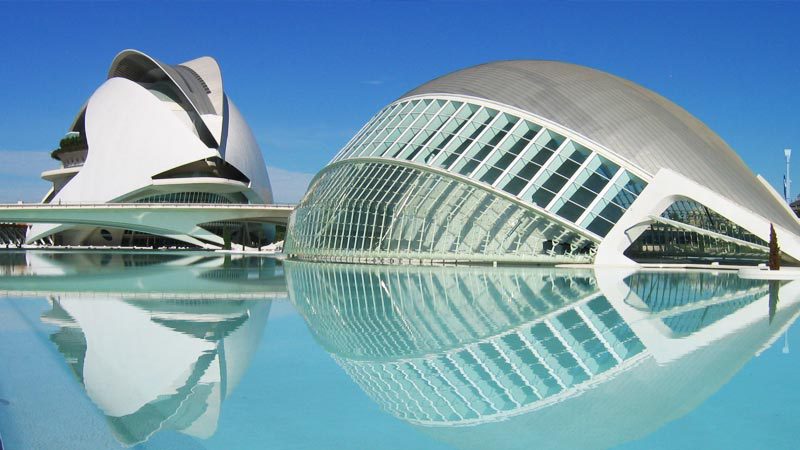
pixel 172 351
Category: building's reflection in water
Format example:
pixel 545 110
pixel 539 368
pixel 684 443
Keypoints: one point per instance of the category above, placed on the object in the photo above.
pixel 155 275
pixel 544 358
pixel 157 346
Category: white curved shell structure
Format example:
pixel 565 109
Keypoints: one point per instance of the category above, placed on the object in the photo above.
pixel 538 161
pixel 155 133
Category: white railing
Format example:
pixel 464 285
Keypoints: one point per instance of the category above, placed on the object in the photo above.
pixel 146 205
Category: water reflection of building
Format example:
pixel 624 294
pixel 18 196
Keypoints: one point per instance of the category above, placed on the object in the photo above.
pixel 151 366
pixel 141 275
pixel 155 364
pixel 525 353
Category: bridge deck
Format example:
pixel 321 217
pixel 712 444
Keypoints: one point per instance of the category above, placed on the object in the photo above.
pixel 177 220
pixel 22 212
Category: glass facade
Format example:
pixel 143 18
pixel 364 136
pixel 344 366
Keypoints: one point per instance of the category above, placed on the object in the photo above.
pixel 438 177
pixel 387 194
pixel 675 236
pixel 692 213
pixel 509 153
pixel 376 211
pixel 186 197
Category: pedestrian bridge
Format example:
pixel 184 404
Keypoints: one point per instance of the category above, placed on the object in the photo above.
pixel 175 220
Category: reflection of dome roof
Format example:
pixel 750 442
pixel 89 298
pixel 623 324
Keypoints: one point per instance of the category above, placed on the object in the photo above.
pixel 628 360
pixel 169 368
pixel 629 120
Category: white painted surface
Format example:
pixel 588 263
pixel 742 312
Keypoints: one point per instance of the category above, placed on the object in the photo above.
pixel 668 187
pixel 209 70
pixel 242 151
pixel 134 134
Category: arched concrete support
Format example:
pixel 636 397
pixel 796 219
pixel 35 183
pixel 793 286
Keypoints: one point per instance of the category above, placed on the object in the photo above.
pixel 668 187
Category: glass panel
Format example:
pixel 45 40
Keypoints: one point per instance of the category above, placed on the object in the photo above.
pixel 406 129
pixel 446 134
pixel 614 203
pixel 570 211
pixel 368 129
pixel 484 146
pixel 508 151
pixel 374 210
pixel 585 187
pixel 666 241
pixel 471 131
pixel 366 146
pixel 697 215
pixel 431 127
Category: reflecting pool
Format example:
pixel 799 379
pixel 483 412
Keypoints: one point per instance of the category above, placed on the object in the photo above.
pixel 202 351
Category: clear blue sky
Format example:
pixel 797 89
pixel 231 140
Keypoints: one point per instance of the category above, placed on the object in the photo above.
pixel 307 75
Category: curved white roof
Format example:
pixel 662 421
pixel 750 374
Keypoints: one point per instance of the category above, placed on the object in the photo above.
pixel 200 81
pixel 138 66
pixel 635 123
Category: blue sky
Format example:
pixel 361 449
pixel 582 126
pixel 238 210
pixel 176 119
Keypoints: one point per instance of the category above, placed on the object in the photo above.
pixel 307 75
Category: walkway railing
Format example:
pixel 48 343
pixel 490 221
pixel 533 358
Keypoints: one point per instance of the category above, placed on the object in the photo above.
pixel 147 205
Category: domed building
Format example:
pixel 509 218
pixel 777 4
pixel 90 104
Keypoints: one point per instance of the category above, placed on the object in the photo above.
pixel 537 162
pixel 157 133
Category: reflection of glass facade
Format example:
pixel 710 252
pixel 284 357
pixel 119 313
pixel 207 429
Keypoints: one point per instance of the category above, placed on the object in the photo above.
pixel 458 346
pixel 690 302
pixel 445 346
pixel 533 193
pixel 405 311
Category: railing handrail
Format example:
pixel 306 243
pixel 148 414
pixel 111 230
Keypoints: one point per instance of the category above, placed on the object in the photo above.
pixel 147 205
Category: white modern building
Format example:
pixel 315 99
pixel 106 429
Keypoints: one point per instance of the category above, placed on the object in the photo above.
pixel 537 162
pixel 157 133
